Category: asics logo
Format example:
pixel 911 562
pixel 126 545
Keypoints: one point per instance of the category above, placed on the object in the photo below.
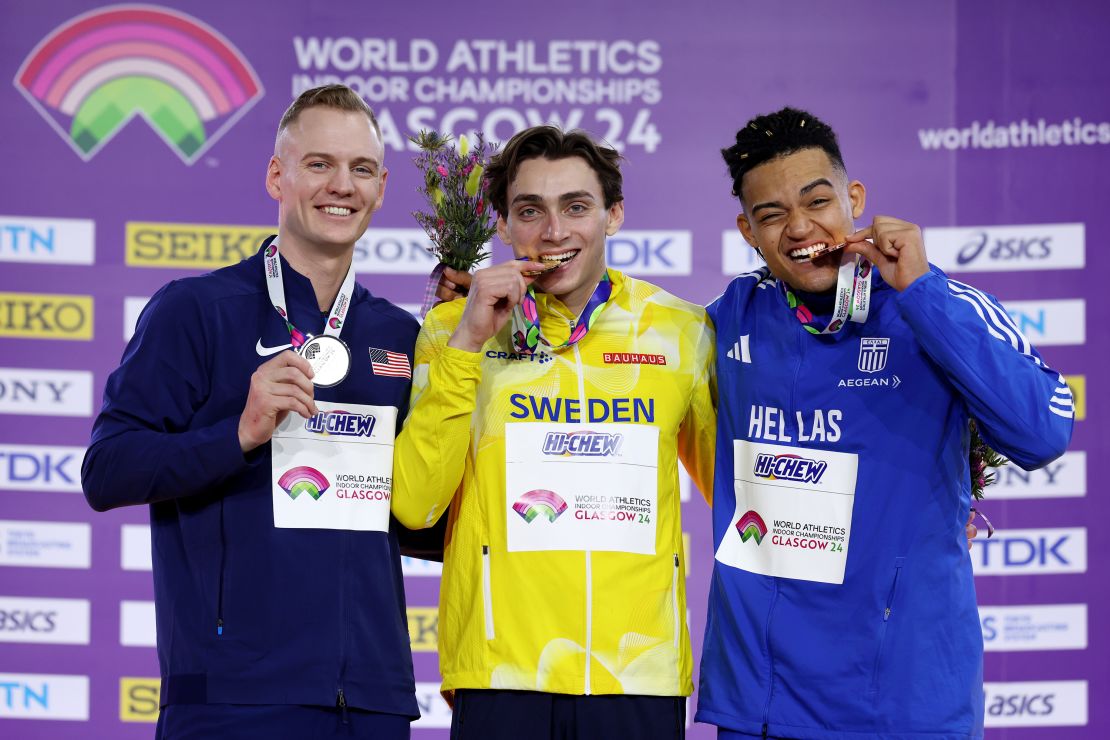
pixel 267 351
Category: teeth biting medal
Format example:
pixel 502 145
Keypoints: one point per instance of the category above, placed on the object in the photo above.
pixel 552 262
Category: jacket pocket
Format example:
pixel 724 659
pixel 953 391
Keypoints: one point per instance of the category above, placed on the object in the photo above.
pixel 888 613
pixel 487 593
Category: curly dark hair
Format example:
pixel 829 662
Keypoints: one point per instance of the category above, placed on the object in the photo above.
pixel 776 135
pixel 550 142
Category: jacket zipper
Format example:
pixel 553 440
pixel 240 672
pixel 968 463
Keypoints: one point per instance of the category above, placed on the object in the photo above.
pixel 223 567
pixel 770 655
pixel 674 600
pixel 344 602
pixel 487 593
pixel 589 558
pixel 898 563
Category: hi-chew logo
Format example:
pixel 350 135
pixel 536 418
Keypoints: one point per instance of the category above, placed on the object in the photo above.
pixel 789 467
pixel 540 502
pixel 91 75
pixel 582 444
pixel 342 424
pixel 751 526
pixel 303 479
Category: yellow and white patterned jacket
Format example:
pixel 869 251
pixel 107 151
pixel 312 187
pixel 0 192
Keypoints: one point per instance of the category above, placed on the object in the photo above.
pixel 577 621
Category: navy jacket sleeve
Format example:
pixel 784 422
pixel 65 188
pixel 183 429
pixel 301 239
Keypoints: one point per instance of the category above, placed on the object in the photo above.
pixel 145 447
pixel 1024 408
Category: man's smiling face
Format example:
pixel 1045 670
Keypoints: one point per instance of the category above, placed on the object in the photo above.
pixel 794 204
pixel 328 178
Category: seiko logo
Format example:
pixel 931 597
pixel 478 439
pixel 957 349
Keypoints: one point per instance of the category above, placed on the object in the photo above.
pixel 191 245
pixel 46 316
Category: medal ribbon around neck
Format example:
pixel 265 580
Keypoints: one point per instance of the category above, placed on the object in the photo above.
pixel 276 288
pixel 853 297
pixel 526 318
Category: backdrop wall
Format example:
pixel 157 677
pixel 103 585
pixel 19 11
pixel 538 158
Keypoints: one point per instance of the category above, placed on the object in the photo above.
pixel 134 153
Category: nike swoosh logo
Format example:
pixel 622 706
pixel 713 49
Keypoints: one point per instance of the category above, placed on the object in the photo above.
pixel 267 351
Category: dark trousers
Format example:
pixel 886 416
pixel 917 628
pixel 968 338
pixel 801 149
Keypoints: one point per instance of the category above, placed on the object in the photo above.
pixel 276 722
pixel 515 715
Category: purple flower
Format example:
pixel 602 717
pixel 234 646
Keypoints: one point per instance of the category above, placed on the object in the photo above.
pixel 442 170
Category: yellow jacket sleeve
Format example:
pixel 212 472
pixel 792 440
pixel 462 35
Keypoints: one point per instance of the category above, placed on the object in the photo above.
pixel 430 453
pixel 697 437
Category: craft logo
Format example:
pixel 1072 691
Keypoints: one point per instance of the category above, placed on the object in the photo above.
pixel 789 467
pixel 138 699
pixel 540 502
pixel 303 479
pixel 750 526
pixel 582 444
pixel 201 246
pixel 540 357
pixel 341 423
pixel 91 75
pixel 57 241
pixel 46 316
pixel 873 354
pixel 632 358
pixel 43 696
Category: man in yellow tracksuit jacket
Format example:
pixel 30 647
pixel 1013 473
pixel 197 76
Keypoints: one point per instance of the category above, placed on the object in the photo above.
pixel 551 410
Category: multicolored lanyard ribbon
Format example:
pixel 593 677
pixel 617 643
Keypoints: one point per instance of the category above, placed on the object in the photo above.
pixel 853 297
pixel 276 289
pixel 526 319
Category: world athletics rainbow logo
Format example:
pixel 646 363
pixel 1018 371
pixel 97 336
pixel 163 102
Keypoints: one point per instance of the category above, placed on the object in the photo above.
pixel 751 525
pixel 303 479
pixel 540 502
pixel 91 75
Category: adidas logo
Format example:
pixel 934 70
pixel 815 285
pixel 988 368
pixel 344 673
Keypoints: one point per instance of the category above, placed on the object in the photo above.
pixel 739 351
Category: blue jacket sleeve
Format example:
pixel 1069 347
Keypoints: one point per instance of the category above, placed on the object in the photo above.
pixel 1023 407
pixel 145 446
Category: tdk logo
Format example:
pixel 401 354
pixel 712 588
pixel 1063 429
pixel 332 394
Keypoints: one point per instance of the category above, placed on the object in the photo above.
pixel 33 468
pixel 650 252
pixel 1031 551
pixel 789 467
pixel 341 423
pixel 582 444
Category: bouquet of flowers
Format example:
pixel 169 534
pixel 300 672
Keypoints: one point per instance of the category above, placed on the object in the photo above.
pixel 980 458
pixel 459 219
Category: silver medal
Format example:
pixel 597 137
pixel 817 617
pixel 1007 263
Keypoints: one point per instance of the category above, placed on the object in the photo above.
pixel 329 357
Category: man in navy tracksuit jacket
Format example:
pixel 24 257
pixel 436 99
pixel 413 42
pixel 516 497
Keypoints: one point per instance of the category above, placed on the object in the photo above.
pixel 842 603
pixel 265 631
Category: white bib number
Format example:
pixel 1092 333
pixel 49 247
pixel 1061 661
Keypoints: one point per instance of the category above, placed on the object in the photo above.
pixel 793 515
pixel 581 487
pixel 335 470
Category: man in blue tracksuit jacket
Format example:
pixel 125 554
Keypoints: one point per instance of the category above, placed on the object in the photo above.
pixel 842 603
pixel 269 626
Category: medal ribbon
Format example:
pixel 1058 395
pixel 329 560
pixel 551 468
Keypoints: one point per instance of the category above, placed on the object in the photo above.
pixel 853 297
pixel 526 318
pixel 276 289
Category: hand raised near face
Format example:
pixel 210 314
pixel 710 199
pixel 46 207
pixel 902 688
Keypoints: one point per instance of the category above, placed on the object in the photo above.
pixel 494 292
pixel 895 247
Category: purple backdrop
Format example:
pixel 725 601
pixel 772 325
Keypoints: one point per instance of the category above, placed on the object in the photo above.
pixel 987 123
